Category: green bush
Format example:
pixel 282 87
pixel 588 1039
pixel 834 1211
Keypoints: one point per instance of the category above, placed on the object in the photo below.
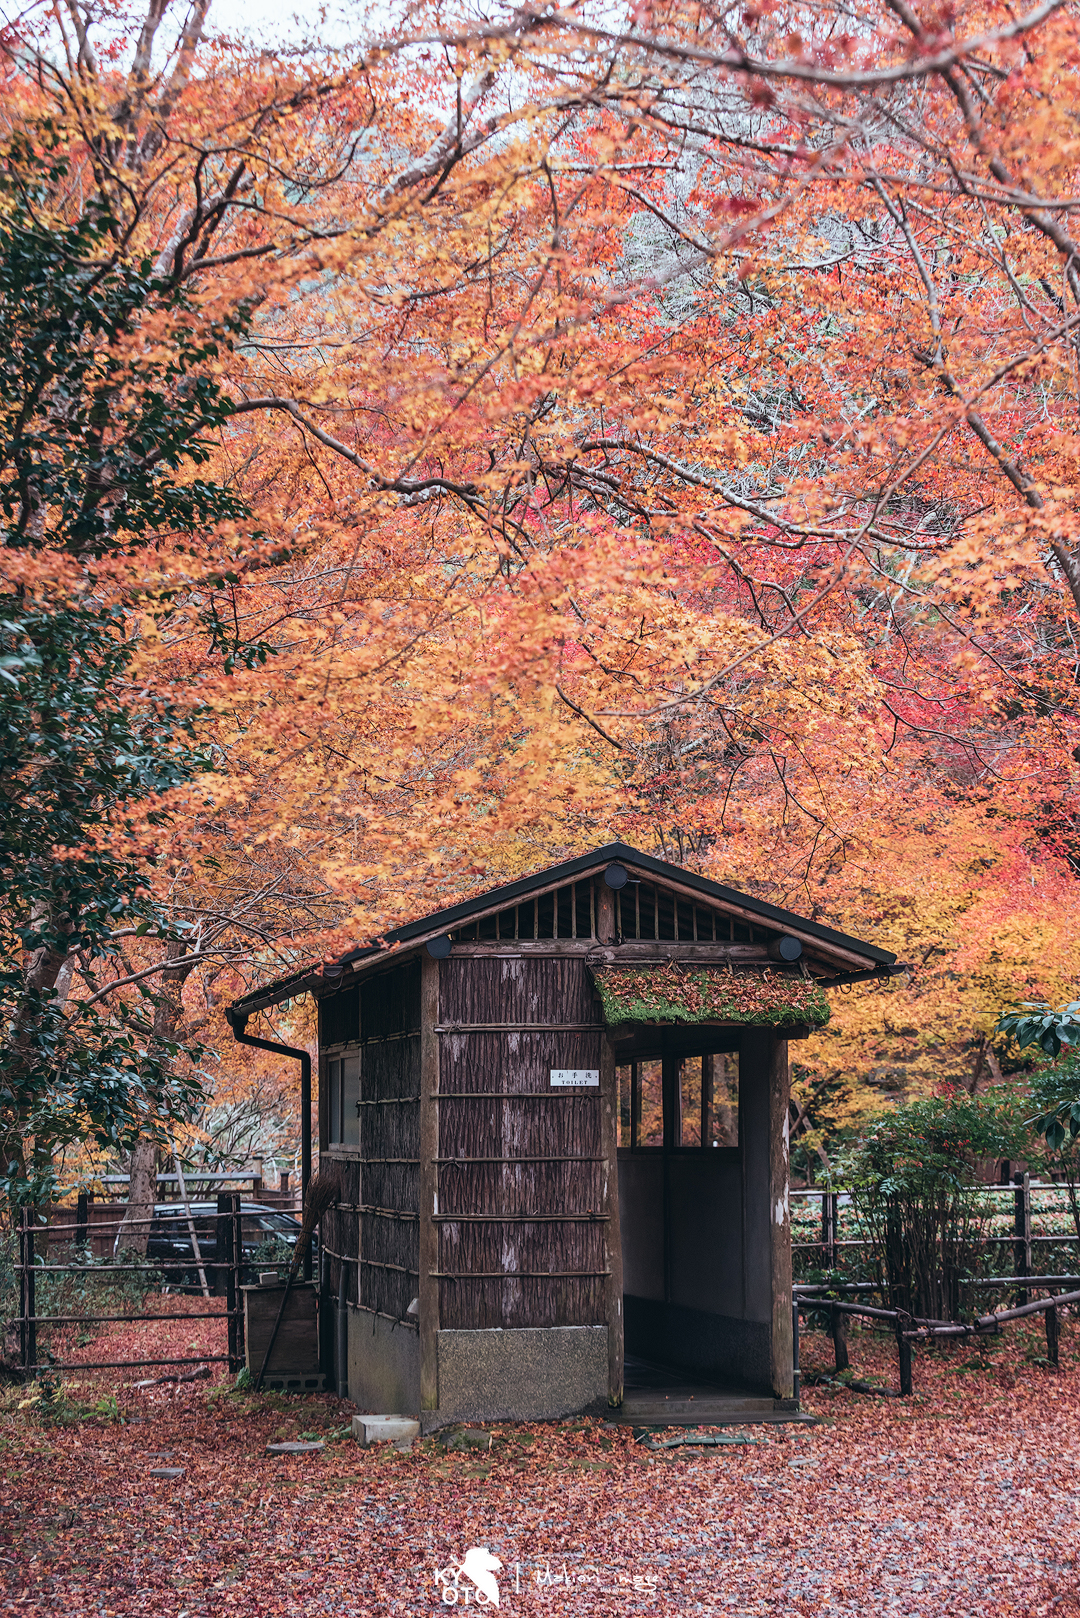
pixel 1054 1091
pixel 912 1178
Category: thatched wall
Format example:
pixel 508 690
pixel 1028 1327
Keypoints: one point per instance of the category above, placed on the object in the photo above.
pixel 519 1162
pixel 378 1219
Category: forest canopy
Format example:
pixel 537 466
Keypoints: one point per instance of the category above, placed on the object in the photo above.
pixel 434 455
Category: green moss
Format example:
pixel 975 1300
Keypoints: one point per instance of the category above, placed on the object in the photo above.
pixel 678 994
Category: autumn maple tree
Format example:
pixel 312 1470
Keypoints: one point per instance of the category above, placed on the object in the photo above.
pixel 562 425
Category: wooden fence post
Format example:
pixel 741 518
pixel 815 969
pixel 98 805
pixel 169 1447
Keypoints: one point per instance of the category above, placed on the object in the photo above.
pixel 795 1350
pixel 840 1338
pixel 1022 1230
pixel 231 1254
pixel 82 1220
pixel 221 1247
pixel 1052 1338
pixel 903 1347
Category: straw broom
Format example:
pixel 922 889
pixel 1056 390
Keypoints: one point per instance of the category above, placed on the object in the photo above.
pixel 322 1193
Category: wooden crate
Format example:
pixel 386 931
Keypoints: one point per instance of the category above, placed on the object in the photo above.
pixel 296 1347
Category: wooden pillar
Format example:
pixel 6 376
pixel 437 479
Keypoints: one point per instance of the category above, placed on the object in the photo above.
pixel 609 1130
pixel 764 1094
pixel 429 1183
pixel 780 1218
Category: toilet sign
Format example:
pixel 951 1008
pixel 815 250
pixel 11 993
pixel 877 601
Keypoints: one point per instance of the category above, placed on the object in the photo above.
pixel 575 1078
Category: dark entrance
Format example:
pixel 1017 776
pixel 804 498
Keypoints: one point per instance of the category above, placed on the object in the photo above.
pixel 698 1306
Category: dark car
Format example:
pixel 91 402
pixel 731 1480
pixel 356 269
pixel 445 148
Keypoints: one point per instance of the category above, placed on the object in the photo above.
pixel 268 1240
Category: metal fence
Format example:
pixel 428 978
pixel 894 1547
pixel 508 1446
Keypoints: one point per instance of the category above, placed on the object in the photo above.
pixel 221 1275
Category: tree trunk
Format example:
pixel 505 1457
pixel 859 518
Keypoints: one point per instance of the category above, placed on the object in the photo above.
pixel 134 1233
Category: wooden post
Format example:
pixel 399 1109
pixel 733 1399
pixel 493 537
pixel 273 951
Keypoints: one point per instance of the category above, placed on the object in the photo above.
pixel 82 1220
pixel 795 1351
pixel 829 1210
pixel 780 1219
pixel 221 1245
pixel 763 1137
pixel 225 1280
pixel 903 1349
pixel 1052 1337
pixel 840 1339
pixel 1022 1228
pixel 609 1134
pixel 429 1183
pixel 237 1275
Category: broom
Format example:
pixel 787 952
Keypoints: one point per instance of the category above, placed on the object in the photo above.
pixel 322 1193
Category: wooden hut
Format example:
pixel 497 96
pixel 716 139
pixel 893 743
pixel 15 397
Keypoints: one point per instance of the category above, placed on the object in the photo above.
pixel 559 1112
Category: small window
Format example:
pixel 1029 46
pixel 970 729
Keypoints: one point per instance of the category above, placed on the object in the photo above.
pixel 720 1109
pixel 624 1079
pixel 704 1092
pixel 648 1104
pixel 333 1103
pixel 690 1119
pixel 350 1101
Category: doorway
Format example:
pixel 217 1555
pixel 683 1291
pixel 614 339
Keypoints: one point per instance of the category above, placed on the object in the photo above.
pixel 682 1215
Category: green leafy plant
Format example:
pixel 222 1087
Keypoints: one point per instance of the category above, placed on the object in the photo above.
pixel 1053 1030
pixel 912 1178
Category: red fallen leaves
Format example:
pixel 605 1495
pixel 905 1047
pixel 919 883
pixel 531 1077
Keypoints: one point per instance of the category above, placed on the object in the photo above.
pixel 960 1501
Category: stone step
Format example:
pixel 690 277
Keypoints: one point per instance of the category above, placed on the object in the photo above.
pixel 639 1410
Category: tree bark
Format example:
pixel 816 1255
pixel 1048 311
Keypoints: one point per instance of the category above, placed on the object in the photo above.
pixel 134 1232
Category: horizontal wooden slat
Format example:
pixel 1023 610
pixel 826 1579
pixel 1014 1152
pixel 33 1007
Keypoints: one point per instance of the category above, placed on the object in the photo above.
pixel 521 1028
pixel 559 1093
pixel 635 949
pixel 521 1275
pixel 520 1218
pixel 464 1160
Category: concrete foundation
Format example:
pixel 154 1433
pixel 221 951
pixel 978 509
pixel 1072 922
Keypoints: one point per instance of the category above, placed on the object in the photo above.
pixel 534 1373
pixel 384 1363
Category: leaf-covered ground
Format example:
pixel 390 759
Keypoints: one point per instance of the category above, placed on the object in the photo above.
pixel 962 1500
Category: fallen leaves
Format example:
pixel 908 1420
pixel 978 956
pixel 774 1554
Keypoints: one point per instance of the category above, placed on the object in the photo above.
pixel 961 1502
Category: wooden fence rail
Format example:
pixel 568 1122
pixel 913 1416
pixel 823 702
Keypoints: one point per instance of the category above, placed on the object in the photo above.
pixel 912 1328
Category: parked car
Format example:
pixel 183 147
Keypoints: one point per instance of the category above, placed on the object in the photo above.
pixel 268 1239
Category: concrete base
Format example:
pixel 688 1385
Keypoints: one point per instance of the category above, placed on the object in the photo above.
pixel 534 1373
pixel 400 1430
pixel 384 1363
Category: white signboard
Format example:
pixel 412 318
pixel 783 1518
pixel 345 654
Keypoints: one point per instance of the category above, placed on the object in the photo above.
pixel 567 1078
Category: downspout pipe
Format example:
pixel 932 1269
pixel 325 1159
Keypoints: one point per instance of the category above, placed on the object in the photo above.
pixel 237 1021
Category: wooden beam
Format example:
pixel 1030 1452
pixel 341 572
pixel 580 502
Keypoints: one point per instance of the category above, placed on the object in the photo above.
pixel 609 1136
pixel 630 952
pixel 429 1183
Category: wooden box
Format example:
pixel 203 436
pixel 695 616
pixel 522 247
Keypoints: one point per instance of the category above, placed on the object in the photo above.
pixel 296 1347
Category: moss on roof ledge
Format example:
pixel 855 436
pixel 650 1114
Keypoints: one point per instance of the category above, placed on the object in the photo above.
pixel 682 994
